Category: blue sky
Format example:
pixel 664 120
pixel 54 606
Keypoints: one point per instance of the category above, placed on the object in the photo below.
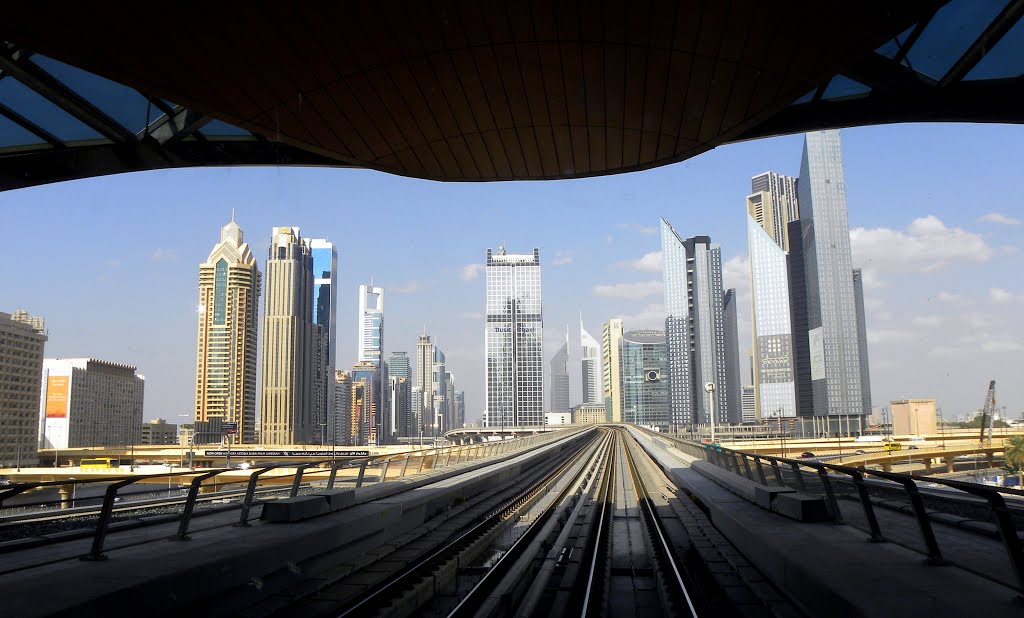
pixel 112 262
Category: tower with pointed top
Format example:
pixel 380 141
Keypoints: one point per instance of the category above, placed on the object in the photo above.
pixel 593 384
pixel 229 290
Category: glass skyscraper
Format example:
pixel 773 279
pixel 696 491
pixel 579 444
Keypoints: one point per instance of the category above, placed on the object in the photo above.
pixel 514 340
pixel 834 348
pixel 645 381
pixel 560 378
pixel 371 324
pixel 695 328
pixel 593 385
pixel 324 305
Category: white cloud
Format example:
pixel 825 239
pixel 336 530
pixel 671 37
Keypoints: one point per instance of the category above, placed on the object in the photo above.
pixel 890 335
pixel 928 321
pixel 407 288
pixel 953 299
pixel 632 291
pixel 650 262
pixel 997 217
pixel 470 315
pixel 650 230
pixel 651 316
pixel 927 245
pixel 1002 345
pixel 471 271
pixel 1010 249
pixel 563 258
pixel 999 295
pixel 164 255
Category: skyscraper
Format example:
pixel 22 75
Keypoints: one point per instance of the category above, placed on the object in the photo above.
pixel 645 386
pixel 514 340
pixel 593 390
pixel 371 324
pixel 286 366
pixel 21 366
pixel 340 424
pixel 611 342
pixel 367 391
pixel 324 302
pixel 831 307
pixel 862 341
pixel 773 361
pixel 732 357
pixel 229 291
pixel 560 378
pixel 695 328
pixel 773 204
pixel 423 406
pixel 400 401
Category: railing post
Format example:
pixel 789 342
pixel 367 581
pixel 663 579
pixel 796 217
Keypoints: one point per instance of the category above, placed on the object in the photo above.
pixel 778 473
pixel 448 458
pixel 799 476
pixel 1008 531
pixel 423 460
pixel 746 466
pixel 243 517
pixel 96 552
pixel 934 553
pixel 869 509
pixel 334 475
pixel 760 470
pixel 384 471
pixel 833 505
pixel 190 506
pixel 405 465
pixel 362 472
pixel 298 479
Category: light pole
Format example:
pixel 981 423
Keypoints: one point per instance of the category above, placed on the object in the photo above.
pixel 709 388
pixel 942 429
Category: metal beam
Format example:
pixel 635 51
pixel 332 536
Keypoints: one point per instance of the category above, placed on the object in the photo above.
pixel 30 126
pixel 177 125
pixel 988 39
pixel 16 64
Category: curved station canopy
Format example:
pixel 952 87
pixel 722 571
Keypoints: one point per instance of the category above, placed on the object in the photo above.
pixel 468 90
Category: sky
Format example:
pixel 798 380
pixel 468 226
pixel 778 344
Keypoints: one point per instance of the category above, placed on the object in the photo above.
pixel 935 216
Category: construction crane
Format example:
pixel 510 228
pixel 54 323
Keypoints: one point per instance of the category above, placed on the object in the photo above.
pixel 987 414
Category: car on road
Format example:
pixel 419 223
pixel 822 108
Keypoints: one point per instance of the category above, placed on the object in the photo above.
pixel 806 455
pixel 860 452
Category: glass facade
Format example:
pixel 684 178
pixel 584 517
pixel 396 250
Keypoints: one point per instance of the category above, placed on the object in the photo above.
pixel 324 307
pixel 831 309
pixel 560 378
pixel 775 393
pixel 371 324
pixel 645 380
pixel 514 340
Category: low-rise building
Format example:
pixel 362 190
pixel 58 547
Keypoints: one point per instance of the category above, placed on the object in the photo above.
pixel 913 417
pixel 558 418
pixel 590 414
pixel 89 402
pixel 159 431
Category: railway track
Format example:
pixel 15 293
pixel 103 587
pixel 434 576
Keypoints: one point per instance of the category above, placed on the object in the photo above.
pixel 601 532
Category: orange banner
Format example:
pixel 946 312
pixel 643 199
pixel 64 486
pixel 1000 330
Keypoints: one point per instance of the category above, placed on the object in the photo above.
pixel 56 397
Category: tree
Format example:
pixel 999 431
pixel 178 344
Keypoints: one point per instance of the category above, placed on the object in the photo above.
pixel 1014 455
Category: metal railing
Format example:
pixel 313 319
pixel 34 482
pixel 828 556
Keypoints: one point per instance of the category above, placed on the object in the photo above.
pixel 784 472
pixel 427 459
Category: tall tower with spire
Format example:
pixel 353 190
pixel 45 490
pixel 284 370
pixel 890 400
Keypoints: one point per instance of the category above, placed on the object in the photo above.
pixel 229 290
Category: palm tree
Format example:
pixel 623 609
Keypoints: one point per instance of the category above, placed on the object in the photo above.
pixel 1014 455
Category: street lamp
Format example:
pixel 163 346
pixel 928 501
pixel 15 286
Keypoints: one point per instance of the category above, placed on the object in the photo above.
pixel 709 388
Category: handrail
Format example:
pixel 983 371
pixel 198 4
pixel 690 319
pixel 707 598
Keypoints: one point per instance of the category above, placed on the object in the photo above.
pixel 725 458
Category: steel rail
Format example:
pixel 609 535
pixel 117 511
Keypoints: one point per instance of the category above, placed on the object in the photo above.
pixel 471 603
pixel 660 542
pixel 600 538
pixel 495 516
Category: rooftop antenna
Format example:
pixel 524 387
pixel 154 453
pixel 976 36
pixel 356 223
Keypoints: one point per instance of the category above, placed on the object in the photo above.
pixel 371 280
pixel 232 215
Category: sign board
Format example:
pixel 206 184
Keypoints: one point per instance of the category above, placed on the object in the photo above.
pixel 229 428
pixel 325 454
pixel 57 397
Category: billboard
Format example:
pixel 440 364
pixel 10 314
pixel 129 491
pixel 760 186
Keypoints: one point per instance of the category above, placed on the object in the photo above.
pixel 816 341
pixel 56 396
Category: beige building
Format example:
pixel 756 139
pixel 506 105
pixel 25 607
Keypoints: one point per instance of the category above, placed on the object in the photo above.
pixel 286 360
pixel 913 417
pixel 21 365
pixel 589 414
pixel 229 291
pixel 340 423
pixel 89 402
pixel 611 346
pixel 159 431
